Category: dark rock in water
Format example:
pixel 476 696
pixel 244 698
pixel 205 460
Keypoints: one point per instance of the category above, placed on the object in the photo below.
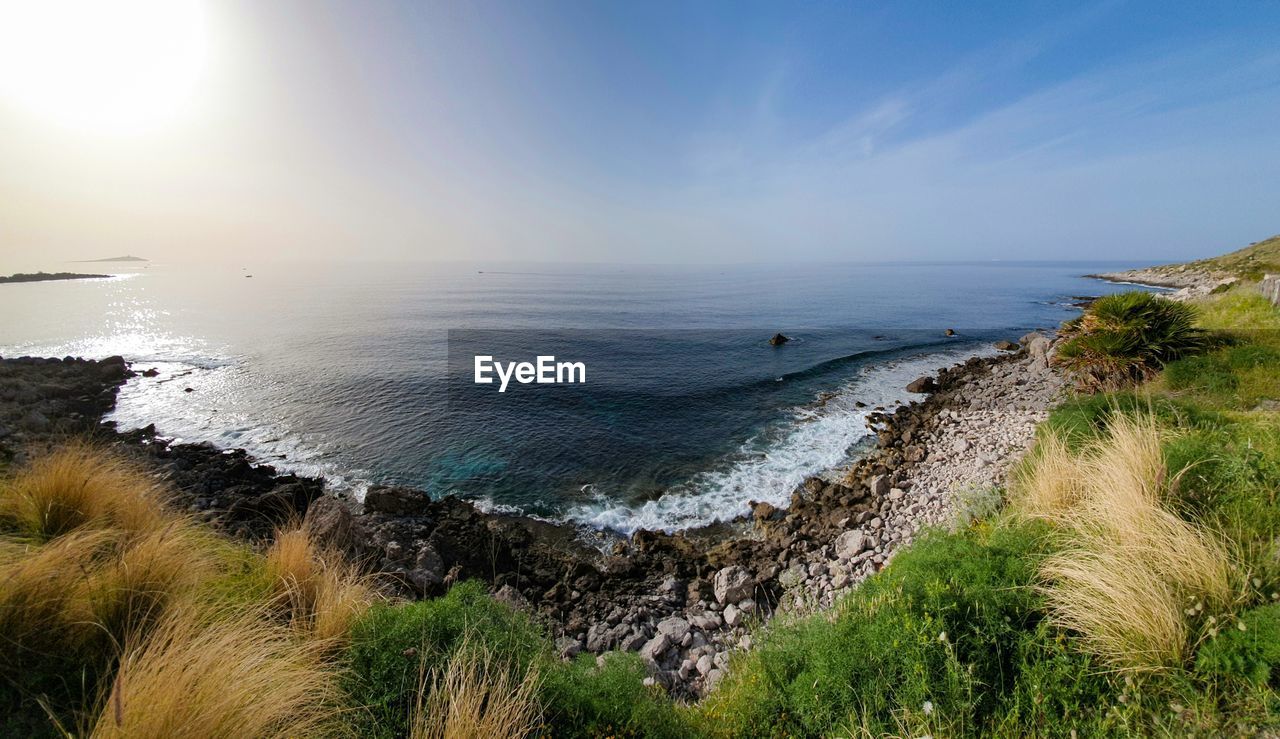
pixel 922 385
pixel 778 340
pixel 188 390
pixel 1006 346
pixel 153 372
pixel 950 332
pixel 859 404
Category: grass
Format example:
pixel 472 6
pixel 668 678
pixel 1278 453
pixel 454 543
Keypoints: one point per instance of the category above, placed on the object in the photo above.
pixel 123 617
pixel 319 592
pixel 79 486
pixel 234 675
pixel 478 696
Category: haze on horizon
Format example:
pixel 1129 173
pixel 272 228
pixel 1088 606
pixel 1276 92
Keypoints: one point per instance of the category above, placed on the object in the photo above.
pixel 191 130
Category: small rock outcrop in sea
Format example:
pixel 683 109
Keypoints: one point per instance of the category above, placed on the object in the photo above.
pixel 778 340
pixel 1006 346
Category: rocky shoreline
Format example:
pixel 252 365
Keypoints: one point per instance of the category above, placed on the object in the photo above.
pixel 1186 281
pixel 683 601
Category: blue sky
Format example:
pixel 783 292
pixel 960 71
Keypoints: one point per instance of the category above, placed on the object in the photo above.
pixel 735 131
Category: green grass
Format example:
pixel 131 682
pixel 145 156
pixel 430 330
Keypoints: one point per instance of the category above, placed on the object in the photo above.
pixel 393 644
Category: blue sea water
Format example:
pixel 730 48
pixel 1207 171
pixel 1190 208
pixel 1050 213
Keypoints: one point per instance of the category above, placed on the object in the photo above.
pixel 362 372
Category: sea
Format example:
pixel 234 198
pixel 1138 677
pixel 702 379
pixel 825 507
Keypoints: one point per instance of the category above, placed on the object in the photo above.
pixel 364 373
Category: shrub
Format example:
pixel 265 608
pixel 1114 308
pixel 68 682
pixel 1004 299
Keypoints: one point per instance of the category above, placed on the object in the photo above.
pixel 1124 339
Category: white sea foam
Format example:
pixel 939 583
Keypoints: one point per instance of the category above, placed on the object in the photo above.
pixel 767 468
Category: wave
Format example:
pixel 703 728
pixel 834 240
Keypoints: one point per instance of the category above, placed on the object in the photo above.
pixel 814 439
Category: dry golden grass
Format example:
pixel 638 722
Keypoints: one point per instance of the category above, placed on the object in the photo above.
pixel 238 675
pixel 319 591
pixel 42 604
pixel 1132 574
pixel 1048 484
pixel 150 574
pixel 76 486
pixel 477 697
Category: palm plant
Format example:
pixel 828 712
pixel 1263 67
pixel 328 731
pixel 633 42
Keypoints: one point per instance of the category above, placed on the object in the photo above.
pixel 1126 338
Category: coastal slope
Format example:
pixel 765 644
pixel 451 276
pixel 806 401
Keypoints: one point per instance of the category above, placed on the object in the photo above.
pixel 1204 276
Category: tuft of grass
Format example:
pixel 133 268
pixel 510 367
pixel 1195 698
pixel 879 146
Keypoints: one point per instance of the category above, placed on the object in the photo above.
pixel 478 695
pixel 319 592
pixel 235 675
pixel 1132 576
pixel 80 485
pixel 1126 338
pixel 1047 484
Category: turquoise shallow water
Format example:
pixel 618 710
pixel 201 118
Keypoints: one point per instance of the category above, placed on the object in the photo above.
pixel 363 372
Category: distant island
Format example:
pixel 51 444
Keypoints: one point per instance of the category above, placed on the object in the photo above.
pixel 125 258
pixel 48 276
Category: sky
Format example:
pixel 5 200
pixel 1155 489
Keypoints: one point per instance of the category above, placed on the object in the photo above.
pixel 655 132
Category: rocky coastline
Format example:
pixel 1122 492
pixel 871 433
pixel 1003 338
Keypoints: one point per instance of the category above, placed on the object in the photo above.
pixel 1186 281
pixel 686 601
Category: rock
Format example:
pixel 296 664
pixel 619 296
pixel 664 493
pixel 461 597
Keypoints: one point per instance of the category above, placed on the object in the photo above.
pixel 568 647
pixel 949 332
pixel 329 522
pixel 850 543
pixel 512 597
pixel 896 494
pixel 732 616
pixel 655 648
pixel 879 485
pixel 1039 350
pixel 922 385
pixel 713 678
pixel 35 421
pixel 1006 346
pixel 397 501
pixel 705 665
pixel 675 627
pixel 153 372
pixel 733 584
pixel 764 511
pixel 778 340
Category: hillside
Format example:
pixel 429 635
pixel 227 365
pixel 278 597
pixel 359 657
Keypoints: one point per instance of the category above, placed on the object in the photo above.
pixel 1203 276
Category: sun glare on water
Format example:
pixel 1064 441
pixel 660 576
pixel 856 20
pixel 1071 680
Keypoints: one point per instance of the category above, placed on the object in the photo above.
pixel 118 67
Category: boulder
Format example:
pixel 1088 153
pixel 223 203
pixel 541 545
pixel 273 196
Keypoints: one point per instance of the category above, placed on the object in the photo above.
pixel 732 584
pixel 778 340
pixel 849 544
pixel 674 627
pixel 879 485
pixel 922 385
pixel 396 501
pixel 1038 348
pixel 1006 346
